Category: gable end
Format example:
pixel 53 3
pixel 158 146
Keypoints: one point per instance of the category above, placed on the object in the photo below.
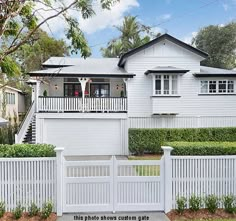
pixel 124 57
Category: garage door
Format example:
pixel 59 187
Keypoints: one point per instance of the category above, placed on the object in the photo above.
pixel 85 136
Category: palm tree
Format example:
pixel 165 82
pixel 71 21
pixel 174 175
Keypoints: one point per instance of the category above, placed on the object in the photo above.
pixel 133 35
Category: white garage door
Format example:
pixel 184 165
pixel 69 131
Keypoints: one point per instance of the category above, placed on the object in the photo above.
pixel 85 136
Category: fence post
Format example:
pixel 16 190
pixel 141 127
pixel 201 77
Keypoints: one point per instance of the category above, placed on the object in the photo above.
pixel 168 178
pixel 59 166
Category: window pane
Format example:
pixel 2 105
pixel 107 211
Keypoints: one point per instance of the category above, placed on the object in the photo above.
pixel 166 84
pixel 222 86
pixel 204 86
pixel 13 99
pixel 230 86
pixel 174 84
pixel 104 90
pixel 212 86
pixel 99 90
pixel 158 84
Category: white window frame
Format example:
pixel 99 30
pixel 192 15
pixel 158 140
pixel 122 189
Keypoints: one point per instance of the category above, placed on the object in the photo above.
pixel 217 86
pixel 162 85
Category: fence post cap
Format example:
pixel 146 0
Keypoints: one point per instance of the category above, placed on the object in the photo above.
pixel 167 148
pixel 59 149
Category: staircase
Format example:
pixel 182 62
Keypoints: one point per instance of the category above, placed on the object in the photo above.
pixel 30 136
pixel 27 130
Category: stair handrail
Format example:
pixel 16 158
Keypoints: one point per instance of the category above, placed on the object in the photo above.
pixel 25 124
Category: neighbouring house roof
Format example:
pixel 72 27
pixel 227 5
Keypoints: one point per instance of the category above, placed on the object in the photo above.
pixel 78 67
pixel 3 122
pixel 166 69
pixel 124 57
pixel 12 88
pixel 215 72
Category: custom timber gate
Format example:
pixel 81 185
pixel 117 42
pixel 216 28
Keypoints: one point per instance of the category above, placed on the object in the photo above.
pixel 113 185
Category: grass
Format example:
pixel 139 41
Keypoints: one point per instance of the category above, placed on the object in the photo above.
pixel 147 170
pixel 145 157
pixel 205 219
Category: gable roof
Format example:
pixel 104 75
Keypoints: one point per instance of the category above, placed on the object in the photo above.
pixel 124 57
pixel 12 88
pixel 215 72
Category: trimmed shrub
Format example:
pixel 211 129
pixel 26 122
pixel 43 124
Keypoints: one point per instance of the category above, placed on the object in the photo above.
pixel 203 148
pixel 46 210
pixel 33 210
pixel 195 203
pixel 151 140
pixel 27 150
pixel 212 203
pixel 181 204
pixel 18 211
pixel 229 203
pixel 2 209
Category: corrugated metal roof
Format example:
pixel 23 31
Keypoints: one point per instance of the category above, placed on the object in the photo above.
pixel 166 69
pixel 210 70
pixel 215 72
pixel 79 66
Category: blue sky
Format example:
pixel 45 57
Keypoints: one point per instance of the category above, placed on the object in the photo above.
pixel 180 18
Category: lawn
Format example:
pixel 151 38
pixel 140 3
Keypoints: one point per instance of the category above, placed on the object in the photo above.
pixel 205 219
pixel 146 157
pixel 147 170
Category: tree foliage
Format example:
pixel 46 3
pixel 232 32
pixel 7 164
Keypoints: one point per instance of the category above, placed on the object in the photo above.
pixel 30 56
pixel 133 34
pixel 20 19
pixel 220 43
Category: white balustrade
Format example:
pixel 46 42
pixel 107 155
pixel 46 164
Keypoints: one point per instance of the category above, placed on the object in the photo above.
pixel 61 104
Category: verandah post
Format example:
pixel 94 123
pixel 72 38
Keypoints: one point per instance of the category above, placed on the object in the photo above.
pixel 59 183
pixel 167 178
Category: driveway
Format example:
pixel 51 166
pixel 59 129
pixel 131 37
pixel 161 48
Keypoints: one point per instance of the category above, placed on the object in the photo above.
pixel 134 216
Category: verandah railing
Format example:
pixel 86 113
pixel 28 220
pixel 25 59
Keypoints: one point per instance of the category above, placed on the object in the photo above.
pixel 77 104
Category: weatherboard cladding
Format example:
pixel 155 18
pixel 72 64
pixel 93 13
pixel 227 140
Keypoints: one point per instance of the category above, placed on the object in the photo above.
pixel 190 103
pixel 124 57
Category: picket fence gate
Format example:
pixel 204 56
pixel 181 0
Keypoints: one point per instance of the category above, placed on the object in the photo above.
pixel 113 185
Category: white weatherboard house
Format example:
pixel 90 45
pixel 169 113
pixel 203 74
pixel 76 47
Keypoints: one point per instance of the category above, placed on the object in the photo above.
pixel 87 105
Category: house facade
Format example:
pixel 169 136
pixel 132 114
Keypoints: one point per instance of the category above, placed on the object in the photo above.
pixel 12 105
pixel 88 105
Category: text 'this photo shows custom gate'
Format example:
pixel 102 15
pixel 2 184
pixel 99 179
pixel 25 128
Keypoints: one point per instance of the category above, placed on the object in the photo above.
pixel 113 185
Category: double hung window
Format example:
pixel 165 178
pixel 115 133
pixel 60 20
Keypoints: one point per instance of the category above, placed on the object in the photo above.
pixel 165 84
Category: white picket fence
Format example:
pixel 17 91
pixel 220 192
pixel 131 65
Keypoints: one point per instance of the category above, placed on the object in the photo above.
pixel 27 180
pixel 203 176
pixel 182 121
pixel 114 185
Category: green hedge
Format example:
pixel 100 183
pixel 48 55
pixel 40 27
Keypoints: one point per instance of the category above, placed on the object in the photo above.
pixel 151 140
pixel 27 150
pixel 203 148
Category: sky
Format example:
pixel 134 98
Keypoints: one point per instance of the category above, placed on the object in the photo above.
pixel 179 18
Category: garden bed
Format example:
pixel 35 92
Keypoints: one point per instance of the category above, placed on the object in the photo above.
pixel 202 214
pixel 25 217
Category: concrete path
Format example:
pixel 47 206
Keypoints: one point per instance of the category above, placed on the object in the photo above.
pixel 128 216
